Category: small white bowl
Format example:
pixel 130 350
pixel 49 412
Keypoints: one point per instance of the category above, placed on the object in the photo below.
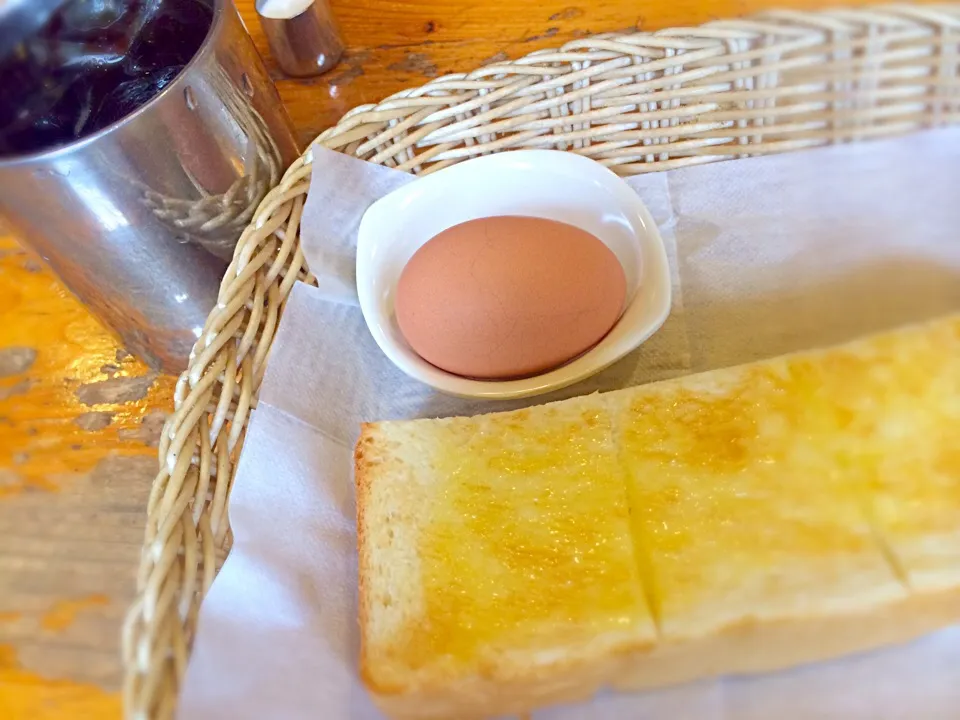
pixel 536 183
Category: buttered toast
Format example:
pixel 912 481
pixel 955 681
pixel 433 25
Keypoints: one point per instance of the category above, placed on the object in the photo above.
pixel 735 521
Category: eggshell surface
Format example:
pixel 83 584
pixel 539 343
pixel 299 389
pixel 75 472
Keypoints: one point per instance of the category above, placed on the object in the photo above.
pixel 506 297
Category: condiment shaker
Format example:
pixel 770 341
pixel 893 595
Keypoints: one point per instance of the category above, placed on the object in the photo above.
pixel 303 35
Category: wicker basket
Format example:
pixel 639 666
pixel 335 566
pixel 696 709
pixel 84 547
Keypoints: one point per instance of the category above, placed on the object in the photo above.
pixel 636 103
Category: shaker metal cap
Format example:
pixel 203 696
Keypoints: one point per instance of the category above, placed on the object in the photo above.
pixel 303 35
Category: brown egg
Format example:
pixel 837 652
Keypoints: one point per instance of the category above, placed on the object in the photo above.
pixel 506 297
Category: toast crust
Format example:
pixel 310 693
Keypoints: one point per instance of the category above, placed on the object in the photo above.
pixel 364 466
pixel 744 649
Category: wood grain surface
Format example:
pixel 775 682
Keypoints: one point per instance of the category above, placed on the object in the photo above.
pixel 80 419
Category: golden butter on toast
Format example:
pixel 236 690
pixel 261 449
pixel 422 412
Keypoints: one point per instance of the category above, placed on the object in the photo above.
pixel 740 520
pixel 497 548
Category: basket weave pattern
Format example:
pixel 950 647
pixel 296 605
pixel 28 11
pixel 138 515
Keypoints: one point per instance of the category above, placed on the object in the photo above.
pixel 641 102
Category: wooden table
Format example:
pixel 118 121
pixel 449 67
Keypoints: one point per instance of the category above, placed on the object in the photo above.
pixel 79 418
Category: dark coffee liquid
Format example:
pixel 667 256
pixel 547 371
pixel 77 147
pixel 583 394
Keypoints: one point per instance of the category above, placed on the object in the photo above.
pixel 91 64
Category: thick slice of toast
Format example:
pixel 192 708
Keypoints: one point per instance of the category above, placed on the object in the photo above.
pixel 784 510
pixel 736 521
pixel 906 412
pixel 496 560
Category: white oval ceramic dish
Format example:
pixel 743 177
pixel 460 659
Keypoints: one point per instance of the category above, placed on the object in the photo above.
pixel 536 183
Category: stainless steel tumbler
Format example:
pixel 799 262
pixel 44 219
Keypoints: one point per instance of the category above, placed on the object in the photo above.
pixel 140 219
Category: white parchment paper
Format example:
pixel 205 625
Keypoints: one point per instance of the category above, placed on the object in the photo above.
pixel 769 255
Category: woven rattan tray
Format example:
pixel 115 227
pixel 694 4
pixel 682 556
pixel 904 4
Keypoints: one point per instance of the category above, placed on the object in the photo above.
pixel 642 102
